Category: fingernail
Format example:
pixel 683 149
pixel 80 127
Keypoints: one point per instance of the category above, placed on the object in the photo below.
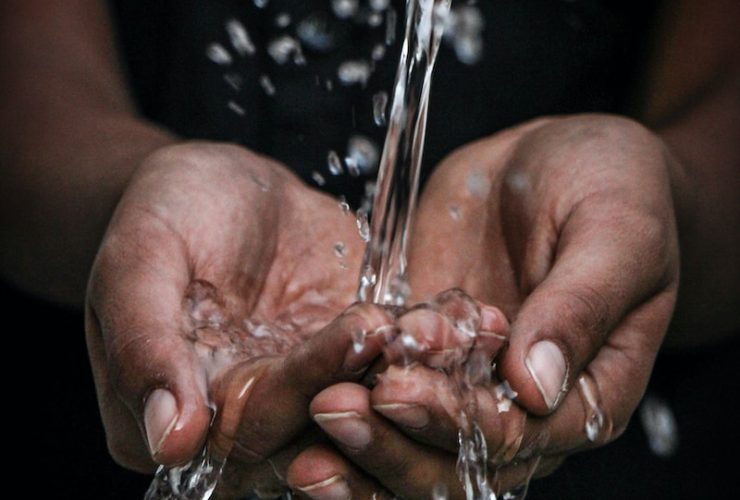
pixel 160 417
pixel 410 415
pixel 549 370
pixel 346 427
pixel 334 488
pixel 489 318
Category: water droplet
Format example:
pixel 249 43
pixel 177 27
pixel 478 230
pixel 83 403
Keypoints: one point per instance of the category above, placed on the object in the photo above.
pixel 285 47
pixel 409 342
pixel 380 101
pixel 439 492
pixel 455 213
pixel 218 54
pixel 340 249
pixel 267 85
pixel 478 184
pixel 504 390
pixel 375 19
pixel 463 29
pixel 352 167
pixel 368 279
pixel 344 206
pixel 240 38
pixel 363 227
pixel 261 3
pixel 196 479
pixel 379 5
pixel 264 187
pixel 236 108
pixel 378 52
pixel 335 163
pixel 391 19
pixel 597 426
pixel 358 340
pixel 329 85
pixel 660 426
pixel 366 204
pixel 234 80
pixel 318 178
pixel 314 32
pixel 261 332
pixel 398 291
pixel 354 72
pixel 282 20
pixel 364 154
pixel 345 9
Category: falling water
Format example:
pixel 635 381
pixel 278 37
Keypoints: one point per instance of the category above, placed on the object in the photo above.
pixel 383 276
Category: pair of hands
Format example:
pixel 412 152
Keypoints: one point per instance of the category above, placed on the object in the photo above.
pixel 565 224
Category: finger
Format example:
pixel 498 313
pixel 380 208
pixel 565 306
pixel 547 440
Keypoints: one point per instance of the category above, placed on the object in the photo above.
pixel 605 265
pixel 427 406
pixel 321 473
pixel 443 334
pixel 606 394
pixel 264 404
pixel 136 330
pixel 493 333
pixel 403 466
pixel 265 479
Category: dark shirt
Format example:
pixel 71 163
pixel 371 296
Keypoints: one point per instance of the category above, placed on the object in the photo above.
pixel 540 57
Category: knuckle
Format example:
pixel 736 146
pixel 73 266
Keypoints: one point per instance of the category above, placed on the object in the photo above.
pixel 587 313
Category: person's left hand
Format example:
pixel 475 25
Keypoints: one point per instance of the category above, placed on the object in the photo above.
pixel 567 225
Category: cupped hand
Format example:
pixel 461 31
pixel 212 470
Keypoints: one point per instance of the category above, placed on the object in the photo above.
pixel 215 274
pixel 568 226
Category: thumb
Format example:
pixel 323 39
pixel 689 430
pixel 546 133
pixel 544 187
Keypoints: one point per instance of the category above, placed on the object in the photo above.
pixel 263 404
pixel 151 388
pixel 604 268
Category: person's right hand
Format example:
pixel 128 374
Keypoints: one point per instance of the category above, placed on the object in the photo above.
pixel 205 237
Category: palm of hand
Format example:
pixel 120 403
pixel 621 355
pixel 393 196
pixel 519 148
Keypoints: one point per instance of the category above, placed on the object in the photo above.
pixel 205 238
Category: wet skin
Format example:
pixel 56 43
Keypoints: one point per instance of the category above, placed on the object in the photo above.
pixel 567 240
pixel 574 239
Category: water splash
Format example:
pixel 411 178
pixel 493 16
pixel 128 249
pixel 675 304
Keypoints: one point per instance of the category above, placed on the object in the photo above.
pixel 236 108
pixel 345 9
pixel 598 426
pixel 380 101
pixel 402 153
pixel 285 48
pixel 364 153
pixel 218 54
pixel 660 426
pixel 267 85
pixel 240 39
pixel 334 163
pixel 355 72
pixel 194 481
pixel 314 32
pixel 318 178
